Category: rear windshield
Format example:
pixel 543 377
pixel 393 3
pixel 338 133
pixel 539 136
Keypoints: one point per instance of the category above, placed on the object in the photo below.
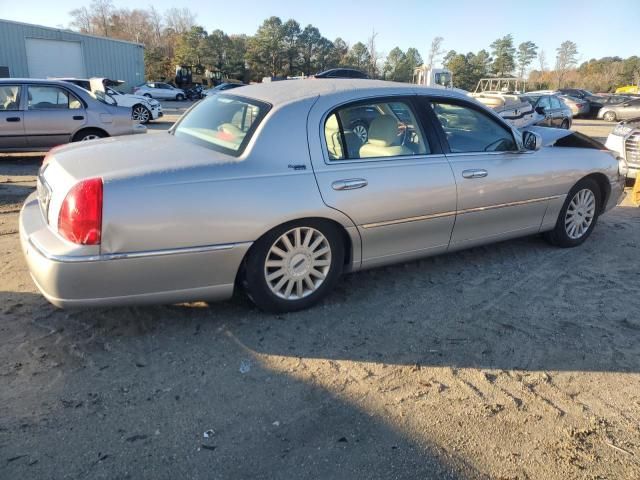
pixel 222 122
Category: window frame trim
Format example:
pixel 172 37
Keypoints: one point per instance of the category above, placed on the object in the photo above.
pixel 442 137
pixel 410 100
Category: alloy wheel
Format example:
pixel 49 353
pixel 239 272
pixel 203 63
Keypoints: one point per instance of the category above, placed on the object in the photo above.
pixel 580 214
pixel 297 263
pixel 140 114
pixel 360 131
pixel 91 136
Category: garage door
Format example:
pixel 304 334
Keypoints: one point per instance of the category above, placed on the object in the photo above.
pixel 54 58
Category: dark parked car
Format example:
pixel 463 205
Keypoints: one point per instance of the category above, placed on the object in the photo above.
pixel 556 112
pixel 341 73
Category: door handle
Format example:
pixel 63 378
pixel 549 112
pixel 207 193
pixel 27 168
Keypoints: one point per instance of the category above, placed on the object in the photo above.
pixel 13 119
pixel 475 173
pixel 78 117
pixel 350 184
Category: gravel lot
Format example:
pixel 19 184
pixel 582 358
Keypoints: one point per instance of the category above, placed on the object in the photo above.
pixel 511 361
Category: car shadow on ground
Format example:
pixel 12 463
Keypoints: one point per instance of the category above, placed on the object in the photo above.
pixel 148 381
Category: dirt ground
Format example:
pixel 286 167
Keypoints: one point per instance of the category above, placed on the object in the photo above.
pixel 512 361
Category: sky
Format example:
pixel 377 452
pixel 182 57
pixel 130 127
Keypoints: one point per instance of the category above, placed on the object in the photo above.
pixel 465 25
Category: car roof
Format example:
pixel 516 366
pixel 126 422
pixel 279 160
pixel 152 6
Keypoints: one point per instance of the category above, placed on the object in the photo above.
pixel 288 91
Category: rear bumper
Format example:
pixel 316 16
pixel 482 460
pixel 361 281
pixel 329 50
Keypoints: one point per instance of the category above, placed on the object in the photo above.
pixel 135 278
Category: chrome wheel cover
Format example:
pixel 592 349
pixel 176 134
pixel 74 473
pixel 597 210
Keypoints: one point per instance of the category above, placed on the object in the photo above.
pixel 140 114
pixel 580 214
pixel 297 263
pixel 91 136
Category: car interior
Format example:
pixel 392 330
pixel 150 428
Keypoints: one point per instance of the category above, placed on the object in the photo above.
pixel 223 122
pixel 45 97
pixel 468 130
pixel 391 131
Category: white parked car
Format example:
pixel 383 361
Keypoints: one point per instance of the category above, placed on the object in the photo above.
pixel 625 141
pixel 143 109
pixel 160 90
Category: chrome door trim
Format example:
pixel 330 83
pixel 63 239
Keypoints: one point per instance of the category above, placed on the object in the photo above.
pixel 510 204
pixel 461 212
pixel 130 255
pixel 408 220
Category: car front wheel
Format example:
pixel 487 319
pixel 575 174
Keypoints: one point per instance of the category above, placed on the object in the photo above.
pixel 141 114
pixel 610 116
pixel 179 97
pixel 294 266
pixel 578 216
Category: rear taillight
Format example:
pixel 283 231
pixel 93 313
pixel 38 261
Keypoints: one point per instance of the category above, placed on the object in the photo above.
pixel 80 219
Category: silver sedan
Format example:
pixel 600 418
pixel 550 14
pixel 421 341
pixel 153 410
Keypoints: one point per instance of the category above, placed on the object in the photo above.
pixel 36 115
pixel 269 191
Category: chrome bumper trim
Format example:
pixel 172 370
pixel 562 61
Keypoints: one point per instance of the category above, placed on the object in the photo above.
pixel 130 255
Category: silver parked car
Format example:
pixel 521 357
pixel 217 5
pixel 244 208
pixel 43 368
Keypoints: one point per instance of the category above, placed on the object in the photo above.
pixel 159 90
pixel 269 191
pixel 578 107
pixel 36 115
pixel 621 111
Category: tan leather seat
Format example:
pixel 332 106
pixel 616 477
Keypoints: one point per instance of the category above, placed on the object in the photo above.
pixel 383 133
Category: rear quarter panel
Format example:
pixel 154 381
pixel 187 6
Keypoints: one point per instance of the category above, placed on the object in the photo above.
pixel 225 202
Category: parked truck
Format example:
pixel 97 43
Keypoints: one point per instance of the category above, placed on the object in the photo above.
pixel 433 77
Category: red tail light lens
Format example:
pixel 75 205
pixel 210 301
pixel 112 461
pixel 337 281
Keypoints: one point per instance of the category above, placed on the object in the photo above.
pixel 80 219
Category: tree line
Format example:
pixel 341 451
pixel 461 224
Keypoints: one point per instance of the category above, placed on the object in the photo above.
pixel 286 48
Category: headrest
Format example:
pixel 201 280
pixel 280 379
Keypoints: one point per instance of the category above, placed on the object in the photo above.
pixel 383 131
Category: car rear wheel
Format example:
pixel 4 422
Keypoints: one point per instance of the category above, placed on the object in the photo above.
pixel 140 113
pixel 610 116
pixel 294 266
pixel 565 124
pixel 578 216
pixel 88 134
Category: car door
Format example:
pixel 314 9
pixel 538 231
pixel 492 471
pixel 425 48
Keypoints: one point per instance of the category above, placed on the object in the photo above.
pixel 630 110
pixel 166 91
pixel 52 115
pixel 397 186
pixel 545 103
pixel 557 111
pixel 11 118
pixel 502 192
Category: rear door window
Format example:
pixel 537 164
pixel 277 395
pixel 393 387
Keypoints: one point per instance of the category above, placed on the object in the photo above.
pixel 9 97
pixel 51 98
pixel 374 130
pixel 555 103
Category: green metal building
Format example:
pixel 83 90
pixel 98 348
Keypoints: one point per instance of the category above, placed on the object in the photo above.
pixel 33 51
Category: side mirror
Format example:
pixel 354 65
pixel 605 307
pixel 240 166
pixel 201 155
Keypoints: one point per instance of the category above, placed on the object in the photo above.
pixel 531 140
pixel 540 110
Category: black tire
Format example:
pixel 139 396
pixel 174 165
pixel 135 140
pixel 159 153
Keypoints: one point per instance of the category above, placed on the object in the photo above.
pixel 609 116
pixel 88 134
pixel 559 235
pixel 565 124
pixel 254 272
pixel 141 111
pixel 179 97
